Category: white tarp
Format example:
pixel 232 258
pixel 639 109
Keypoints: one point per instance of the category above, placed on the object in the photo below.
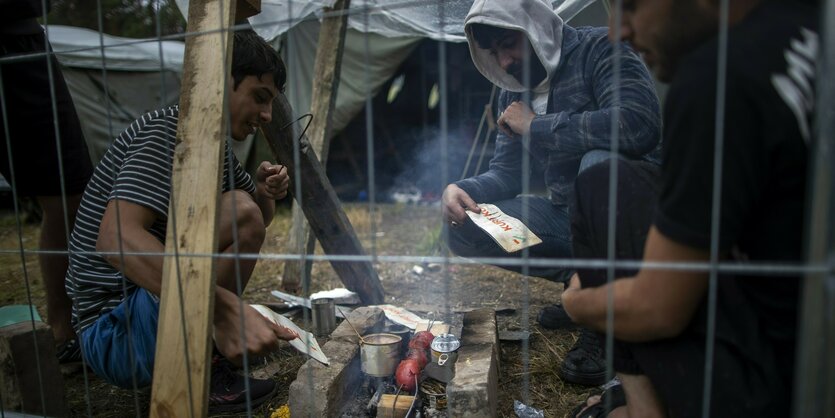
pixel 81 48
pixel 141 75
pixel 360 76
pixel 435 19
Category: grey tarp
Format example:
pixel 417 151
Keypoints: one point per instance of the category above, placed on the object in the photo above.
pixel 393 26
pixel 141 75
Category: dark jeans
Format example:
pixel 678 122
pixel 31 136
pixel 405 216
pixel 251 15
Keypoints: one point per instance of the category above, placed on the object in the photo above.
pixel 549 222
pixel 745 379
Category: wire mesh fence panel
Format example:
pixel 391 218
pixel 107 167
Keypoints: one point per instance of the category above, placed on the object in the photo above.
pixel 643 207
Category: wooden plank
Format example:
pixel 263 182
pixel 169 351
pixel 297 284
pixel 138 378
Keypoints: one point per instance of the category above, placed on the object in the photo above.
pixel 21 385
pixel 246 8
pixel 387 408
pixel 326 71
pixel 321 206
pixel 181 369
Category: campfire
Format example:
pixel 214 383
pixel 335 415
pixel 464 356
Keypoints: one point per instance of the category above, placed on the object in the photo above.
pixel 378 369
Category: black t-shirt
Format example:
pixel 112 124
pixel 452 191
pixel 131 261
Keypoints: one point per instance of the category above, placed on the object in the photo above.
pixel 769 98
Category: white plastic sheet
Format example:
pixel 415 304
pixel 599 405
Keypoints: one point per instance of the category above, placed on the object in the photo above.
pixel 436 19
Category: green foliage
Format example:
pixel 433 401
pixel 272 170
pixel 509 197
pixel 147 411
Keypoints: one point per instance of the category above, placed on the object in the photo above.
pixel 128 18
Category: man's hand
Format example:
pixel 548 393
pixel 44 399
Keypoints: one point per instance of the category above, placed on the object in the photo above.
pixel 271 180
pixel 516 119
pixel 259 337
pixel 456 202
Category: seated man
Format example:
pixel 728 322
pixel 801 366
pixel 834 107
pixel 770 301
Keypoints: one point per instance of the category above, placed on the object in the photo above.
pixel 661 317
pixel 115 270
pixel 566 109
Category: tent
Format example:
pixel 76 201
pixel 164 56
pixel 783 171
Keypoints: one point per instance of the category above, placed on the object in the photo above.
pixel 112 88
pixel 376 43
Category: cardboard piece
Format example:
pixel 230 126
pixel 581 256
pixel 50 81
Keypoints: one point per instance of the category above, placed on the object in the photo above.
pixel 306 343
pixel 410 320
pixel 510 233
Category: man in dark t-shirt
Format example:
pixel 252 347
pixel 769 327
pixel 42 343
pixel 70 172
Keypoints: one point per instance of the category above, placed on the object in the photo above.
pixel 765 104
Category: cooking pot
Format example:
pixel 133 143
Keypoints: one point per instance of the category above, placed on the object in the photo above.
pixel 380 354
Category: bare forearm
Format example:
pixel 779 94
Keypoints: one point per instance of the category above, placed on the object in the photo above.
pixel 267 206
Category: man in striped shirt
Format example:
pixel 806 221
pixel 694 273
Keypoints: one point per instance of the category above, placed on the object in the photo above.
pixel 115 272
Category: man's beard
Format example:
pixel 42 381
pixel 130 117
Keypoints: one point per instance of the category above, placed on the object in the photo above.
pixel 537 72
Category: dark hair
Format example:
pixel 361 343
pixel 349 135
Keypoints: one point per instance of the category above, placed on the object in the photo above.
pixel 486 35
pixel 252 55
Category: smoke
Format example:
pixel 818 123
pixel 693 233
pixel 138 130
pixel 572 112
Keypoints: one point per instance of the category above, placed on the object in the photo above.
pixel 423 165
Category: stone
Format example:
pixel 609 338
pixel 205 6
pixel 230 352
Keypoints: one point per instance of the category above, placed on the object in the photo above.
pixel 473 392
pixel 26 349
pixel 321 391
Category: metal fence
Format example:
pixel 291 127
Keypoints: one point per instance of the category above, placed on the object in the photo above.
pixel 814 391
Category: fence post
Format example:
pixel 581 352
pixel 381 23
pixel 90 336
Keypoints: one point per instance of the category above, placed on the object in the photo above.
pixel 815 374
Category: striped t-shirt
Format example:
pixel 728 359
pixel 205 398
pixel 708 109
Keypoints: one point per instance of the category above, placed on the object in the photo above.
pixel 136 168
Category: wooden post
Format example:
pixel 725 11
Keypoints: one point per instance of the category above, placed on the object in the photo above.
pixel 321 206
pixel 181 369
pixel 326 72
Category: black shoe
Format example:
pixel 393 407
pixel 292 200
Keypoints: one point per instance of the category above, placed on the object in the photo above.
pixel 227 389
pixel 68 352
pixel 584 363
pixel 554 317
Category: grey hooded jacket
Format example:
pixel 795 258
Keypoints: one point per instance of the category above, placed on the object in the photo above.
pixel 582 99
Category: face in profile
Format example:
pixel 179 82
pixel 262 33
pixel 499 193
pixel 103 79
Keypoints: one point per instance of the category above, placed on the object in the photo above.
pixel 662 31
pixel 510 53
pixel 250 105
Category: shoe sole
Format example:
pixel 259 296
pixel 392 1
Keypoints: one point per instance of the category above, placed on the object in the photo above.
pixel 241 407
pixel 595 379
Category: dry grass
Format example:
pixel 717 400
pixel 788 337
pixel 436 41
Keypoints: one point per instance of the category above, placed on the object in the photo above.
pixel 392 230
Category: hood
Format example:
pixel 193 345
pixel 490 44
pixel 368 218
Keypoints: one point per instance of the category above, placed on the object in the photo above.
pixel 535 18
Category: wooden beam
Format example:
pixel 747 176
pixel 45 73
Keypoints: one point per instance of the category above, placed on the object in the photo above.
pixel 246 8
pixel 326 71
pixel 184 335
pixel 321 206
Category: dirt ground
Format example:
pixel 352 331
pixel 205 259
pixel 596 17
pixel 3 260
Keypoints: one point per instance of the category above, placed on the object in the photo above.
pixel 393 230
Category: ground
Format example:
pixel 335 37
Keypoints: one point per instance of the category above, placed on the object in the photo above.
pixel 393 230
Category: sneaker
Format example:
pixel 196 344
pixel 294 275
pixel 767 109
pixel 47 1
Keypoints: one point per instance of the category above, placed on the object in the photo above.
pixel 227 389
pixel 68 351
pixel 584 363
pixel 555 317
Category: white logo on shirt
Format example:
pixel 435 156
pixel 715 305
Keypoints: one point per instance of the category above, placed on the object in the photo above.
pixel 796 88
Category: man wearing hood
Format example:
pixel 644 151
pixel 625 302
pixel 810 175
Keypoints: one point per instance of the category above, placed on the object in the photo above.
pixel 563 102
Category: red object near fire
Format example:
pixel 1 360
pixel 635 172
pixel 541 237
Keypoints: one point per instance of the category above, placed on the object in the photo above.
pixel 406 374
pixel 419 355
pixel 422 340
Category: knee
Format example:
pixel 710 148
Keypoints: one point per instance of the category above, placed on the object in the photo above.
pixel 249 221
pixel 593 183
pixel 594 157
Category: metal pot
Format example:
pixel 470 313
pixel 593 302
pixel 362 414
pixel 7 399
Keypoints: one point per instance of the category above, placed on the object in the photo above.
pixel 445 349
pixel 380 354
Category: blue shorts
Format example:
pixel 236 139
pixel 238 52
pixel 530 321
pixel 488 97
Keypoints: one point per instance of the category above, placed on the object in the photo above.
pixel 121 344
